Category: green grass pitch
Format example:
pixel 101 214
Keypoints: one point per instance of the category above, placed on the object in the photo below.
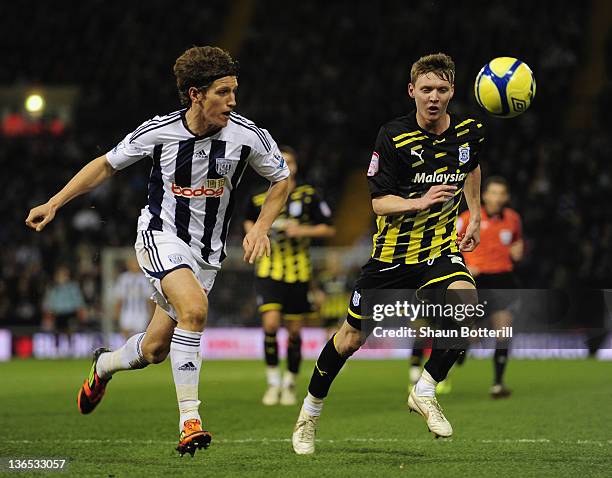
pixel 558 423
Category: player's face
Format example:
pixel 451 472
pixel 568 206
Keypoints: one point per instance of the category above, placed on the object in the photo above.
pixel 219 100
pixel 431 95
pixel 291 163
pixel 495 197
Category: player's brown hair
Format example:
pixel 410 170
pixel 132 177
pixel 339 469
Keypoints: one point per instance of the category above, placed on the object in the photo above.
pixel 440 64
pixel 199 67
pixel 496 180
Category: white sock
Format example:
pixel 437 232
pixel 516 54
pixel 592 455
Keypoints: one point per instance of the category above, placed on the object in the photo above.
pixel 426 386
pixel 127 357
pixel 273 376
pixel 186 362
pixel 289 379
pixel 313 405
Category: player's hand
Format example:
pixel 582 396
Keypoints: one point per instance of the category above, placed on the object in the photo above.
pixel 256 243
pixel 437 194
pixel 40 216
pixel 471 238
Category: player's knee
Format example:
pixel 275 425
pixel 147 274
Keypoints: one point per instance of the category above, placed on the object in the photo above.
pixel 194 314
pixel 348 343
pixel 155 352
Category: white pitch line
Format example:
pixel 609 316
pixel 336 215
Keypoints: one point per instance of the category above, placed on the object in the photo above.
pixel 343 440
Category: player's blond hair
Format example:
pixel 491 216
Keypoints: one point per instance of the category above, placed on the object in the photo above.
pixel 439 64
pixel 199 66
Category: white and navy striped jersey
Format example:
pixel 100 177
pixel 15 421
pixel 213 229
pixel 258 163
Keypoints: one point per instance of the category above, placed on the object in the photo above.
pixel 134 291
pixel 193 181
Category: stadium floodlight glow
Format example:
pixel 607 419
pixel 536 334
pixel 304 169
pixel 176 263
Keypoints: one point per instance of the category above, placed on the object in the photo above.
pixel 34 103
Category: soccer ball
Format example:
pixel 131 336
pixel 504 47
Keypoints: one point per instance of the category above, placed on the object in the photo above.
pixel 505 87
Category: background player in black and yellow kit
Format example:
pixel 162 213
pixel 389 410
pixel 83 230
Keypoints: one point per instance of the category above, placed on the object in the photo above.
pixel 282 279
pixel 421 166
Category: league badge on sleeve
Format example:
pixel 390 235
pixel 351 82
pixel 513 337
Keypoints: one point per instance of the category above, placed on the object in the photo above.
pixel 464 154
pixel 373 168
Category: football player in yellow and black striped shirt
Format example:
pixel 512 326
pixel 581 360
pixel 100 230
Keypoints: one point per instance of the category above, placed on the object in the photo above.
pixel 421 166
pixel 282 279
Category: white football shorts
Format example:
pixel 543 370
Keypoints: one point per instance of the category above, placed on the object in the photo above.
pixel 160 253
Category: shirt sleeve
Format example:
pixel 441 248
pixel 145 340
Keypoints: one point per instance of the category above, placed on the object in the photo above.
pixel 134 147
pixel 476 147
pixel 382 172
pixel 267 160
pixel 321 212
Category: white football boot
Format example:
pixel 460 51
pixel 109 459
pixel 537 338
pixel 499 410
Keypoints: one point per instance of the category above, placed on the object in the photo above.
pixel 287 396
pixel 304 433
pixel 431 411
pixel 272 395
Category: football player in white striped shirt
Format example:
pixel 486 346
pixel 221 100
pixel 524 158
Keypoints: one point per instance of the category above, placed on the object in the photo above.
pixel 132 293
pixel 198 157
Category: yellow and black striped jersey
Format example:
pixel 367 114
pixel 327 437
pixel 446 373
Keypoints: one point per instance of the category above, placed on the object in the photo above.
pixel 406 162
pixel 337 291
pixel 289 259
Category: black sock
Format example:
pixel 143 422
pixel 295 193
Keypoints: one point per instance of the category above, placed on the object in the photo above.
pixel 326 368
pixel 294 354
pixel 500 359
pixel 417 354
pixel 271 349
pixel 441 361
pixel 462 358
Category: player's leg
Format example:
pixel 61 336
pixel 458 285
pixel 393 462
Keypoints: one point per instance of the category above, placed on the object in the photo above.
pixel 334 355
pixel 296 307
pixel 271 320
pixel 187 297
pixel 293 324
pixel 500 319
pixel 139 350
pixel 444 354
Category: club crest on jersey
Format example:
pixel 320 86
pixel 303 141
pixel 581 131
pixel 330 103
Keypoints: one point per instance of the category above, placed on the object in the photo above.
pixel 464 154
pixel 356 298
pixel 223 166
pixel 175 258
pixel 373 168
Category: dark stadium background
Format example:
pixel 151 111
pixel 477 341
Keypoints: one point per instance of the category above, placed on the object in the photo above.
pixel 321 76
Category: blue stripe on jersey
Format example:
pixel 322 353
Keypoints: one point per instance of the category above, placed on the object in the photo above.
pixel 156 191
pixel 242 164
pixel 211 208
pixel 182 178
pixel 155 121
pixel 151 127
pixel 240 121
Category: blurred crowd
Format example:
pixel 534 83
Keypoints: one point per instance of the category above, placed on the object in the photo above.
pixel 321 76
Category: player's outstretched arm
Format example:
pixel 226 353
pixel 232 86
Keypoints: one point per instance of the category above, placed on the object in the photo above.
pixel 92 174
pixel 471 239
pixel 390 204
pixel 310 230
pixel 256 242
